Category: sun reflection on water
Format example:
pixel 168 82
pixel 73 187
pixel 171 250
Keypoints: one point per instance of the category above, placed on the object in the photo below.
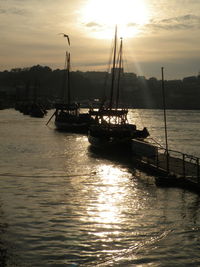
pixel 110 193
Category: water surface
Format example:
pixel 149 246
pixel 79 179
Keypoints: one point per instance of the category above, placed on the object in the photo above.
pixel 62 204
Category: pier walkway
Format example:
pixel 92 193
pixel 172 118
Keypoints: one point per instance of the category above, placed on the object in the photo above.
pixel 170 167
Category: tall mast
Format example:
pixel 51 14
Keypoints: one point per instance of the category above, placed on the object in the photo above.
pixel 64 83
pixel 68 79
pixel 113 69
pixel 165 120
pixel 119 72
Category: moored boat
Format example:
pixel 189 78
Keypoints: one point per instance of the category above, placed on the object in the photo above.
pixel 111 128
pixel 36 110
pixel 68 116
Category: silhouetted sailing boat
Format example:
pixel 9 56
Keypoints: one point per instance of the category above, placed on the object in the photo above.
pixel 36 109
pixel 26 104
pixel 67 115
pixel 112 129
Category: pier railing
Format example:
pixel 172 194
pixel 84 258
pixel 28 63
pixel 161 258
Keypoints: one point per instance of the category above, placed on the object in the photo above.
pixel 172 162
pixel 182 164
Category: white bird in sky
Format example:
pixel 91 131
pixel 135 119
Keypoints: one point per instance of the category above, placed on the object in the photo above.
pixel 67 36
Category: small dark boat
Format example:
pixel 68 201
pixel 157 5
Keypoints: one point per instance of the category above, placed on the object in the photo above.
pixel 36 110
pixel 68 116
pixel 29 104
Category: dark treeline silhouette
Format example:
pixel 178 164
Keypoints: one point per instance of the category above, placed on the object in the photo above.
pixel 45 84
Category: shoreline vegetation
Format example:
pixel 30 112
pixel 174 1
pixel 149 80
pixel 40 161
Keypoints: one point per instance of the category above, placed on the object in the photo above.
pixel 25 84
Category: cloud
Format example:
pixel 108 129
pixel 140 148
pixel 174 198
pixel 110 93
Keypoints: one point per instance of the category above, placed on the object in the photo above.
pixel 13 11
pixel 176 23
pixel 131 24
pixel 2 11
pixel 93 24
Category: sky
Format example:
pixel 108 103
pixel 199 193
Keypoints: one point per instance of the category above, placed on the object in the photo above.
pixel 156 33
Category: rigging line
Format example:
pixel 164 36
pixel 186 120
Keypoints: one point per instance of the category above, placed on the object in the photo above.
pixel 156 142
pixel 46 176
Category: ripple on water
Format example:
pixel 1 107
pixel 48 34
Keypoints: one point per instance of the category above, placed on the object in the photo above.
pixel 62 204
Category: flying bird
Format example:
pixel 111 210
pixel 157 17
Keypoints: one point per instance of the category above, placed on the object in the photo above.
pixel 67 36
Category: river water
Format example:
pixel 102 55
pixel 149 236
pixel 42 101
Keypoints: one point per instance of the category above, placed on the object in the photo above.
pixel 63 205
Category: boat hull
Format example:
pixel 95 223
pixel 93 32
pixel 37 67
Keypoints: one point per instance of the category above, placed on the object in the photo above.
pixel 113 136
pixel 110 143
pixel 78 123
pixel 72 127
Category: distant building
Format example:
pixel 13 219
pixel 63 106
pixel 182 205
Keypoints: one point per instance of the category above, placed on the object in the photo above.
pixel 118 70
pixel 191 79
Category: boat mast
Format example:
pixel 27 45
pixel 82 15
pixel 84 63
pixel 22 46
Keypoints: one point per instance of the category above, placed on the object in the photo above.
pixel 119 72
pixel 64 83
pixel 165 120
pixel 113 69
pixel 68 79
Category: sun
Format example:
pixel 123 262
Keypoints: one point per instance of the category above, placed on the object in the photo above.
pixel 100 16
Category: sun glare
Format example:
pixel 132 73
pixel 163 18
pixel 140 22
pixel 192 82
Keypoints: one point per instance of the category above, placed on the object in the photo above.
pixel 101 16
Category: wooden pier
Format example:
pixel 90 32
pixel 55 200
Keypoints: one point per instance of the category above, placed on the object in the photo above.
pixel 170 167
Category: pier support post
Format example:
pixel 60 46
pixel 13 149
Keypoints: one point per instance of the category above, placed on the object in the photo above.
pixel 157 160
pixel 184 165
pixel 167 155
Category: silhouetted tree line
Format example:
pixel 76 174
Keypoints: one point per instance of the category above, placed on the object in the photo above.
pixel 45 84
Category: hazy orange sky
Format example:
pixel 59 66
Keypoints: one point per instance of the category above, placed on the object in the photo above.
pixel 156 33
